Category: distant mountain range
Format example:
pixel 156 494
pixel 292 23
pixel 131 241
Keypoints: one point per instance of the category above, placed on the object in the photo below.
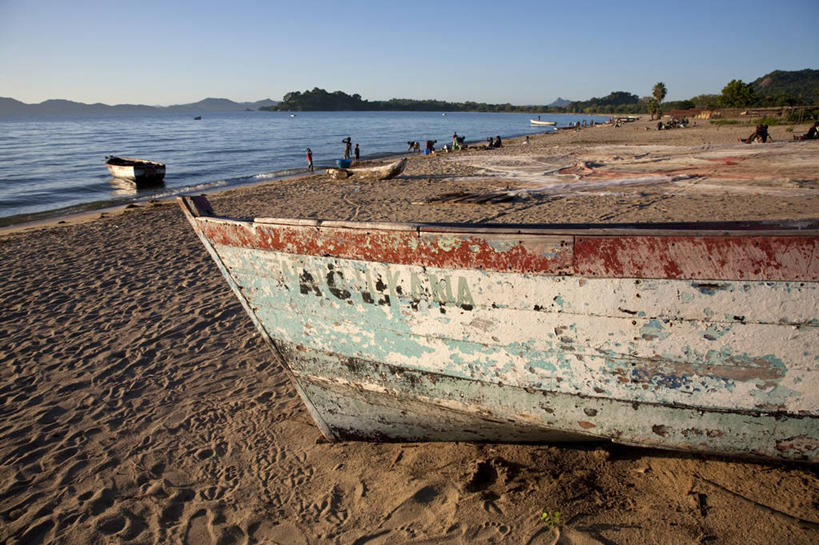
pixel 10 106
pixel 560 103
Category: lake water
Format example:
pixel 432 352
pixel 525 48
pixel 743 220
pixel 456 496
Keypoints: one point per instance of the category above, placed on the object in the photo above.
pixel 54 165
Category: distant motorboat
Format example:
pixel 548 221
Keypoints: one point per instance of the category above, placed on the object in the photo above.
pixel 543 123
pixel 139 171
pixel 197 118
pixel 292 115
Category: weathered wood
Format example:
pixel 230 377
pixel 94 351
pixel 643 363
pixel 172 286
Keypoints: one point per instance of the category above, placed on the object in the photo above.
pixel 422 332
pixel 384 172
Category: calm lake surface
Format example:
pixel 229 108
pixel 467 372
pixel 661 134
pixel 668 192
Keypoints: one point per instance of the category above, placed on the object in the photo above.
pixel 54 165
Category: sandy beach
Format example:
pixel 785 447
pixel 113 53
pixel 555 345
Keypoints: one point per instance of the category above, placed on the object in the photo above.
pixel 140 406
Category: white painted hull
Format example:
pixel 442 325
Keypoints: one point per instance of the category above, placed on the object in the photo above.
pixel 137 170
pixel 404 349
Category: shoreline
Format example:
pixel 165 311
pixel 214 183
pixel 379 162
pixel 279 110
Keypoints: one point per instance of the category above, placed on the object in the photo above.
pixel 107 199
pixel 141 405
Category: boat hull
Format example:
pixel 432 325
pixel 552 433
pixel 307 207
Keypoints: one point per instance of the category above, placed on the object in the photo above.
pixel 384 172
pixel 542 123
pixel 137 171
pixel 404 332
pixel 411 405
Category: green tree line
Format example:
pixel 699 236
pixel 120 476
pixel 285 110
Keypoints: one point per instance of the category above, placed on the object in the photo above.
pixel 775 89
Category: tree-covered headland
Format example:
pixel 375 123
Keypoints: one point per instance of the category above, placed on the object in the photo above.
pixel 779 88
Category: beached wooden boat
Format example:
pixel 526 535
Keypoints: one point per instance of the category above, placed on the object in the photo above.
pixel 136 170
pixel 691 337
pixel 543 123
pixel 384 172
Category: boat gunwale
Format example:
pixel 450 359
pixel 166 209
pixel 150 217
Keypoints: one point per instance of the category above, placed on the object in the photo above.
pixel 132 162
pixel 808 227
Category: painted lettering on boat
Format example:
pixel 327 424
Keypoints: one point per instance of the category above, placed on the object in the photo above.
pixel 365 286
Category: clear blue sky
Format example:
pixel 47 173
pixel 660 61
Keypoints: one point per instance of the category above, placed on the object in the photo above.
pixel 523 52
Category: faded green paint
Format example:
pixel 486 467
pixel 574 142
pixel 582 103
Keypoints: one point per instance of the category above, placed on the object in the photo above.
pixel 366 400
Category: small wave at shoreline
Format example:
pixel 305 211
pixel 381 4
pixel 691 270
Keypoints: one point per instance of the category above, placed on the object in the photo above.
pixel 204 157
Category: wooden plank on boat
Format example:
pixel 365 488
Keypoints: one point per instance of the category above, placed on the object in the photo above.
pixel 506 252
pixel 717 257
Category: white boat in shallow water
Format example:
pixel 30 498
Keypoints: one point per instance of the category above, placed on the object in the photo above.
pixel 543 123
pixel 690 337
pixel 135 170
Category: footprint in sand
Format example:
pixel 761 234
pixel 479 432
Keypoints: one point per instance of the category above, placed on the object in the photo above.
pixel 207 527
pixel 300 476
pixel 101 501
pixel 110 524
pixel 432 505
pixel 176 506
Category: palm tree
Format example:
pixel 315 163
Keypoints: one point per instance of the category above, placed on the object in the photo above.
pixel 658 92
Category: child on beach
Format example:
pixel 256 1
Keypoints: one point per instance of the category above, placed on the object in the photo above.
pixel 310 159
pixel 356 152
pixel 760 133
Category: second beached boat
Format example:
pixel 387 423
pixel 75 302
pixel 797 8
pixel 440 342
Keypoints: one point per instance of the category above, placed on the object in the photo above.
pixel 383 172
pixel 691 337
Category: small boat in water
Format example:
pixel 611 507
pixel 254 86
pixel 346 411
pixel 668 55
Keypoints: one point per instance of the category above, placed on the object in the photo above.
pixel 140 171
pixel 383 172
pixel 697 337
pixel 542 123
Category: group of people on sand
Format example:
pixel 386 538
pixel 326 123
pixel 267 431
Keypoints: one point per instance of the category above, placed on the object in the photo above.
pixel 496 143
pixel 673 124
pixel 457 142
pixel 348 151
pixel 348 144
pixel 760 134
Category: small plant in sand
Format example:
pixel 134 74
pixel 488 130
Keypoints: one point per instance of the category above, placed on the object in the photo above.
pixel 552 520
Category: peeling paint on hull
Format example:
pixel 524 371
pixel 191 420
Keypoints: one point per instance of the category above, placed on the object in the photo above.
pixel 413 332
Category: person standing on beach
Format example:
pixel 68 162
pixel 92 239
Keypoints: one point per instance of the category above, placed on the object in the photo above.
pixel 356 153
pixel 310 159
pixel 347 147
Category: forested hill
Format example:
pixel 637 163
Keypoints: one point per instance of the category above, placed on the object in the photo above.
pixel 803 85
pixel 321 100
pixel 778 88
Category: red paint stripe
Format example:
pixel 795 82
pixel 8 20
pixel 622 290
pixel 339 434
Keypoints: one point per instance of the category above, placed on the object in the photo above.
pixel 777 258
pixel 505 253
